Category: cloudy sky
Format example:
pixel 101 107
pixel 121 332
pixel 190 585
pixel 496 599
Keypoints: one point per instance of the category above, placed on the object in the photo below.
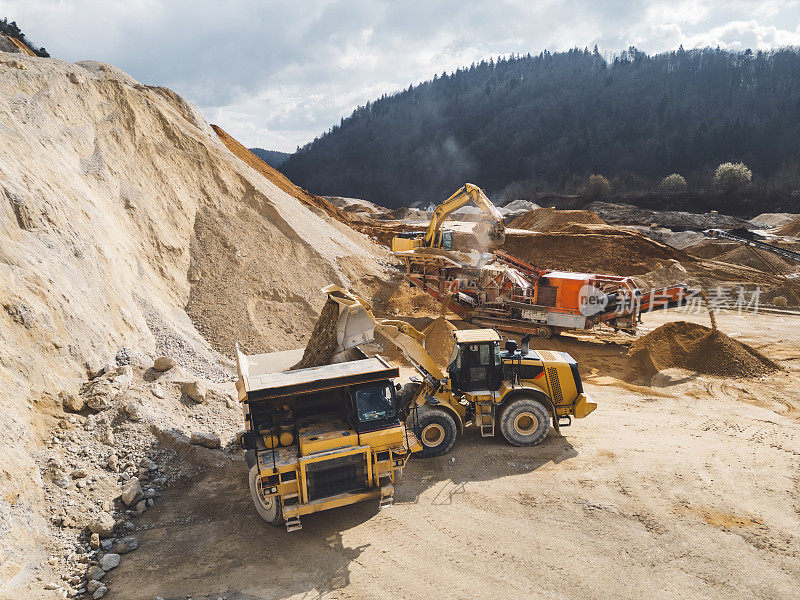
pixel 277 74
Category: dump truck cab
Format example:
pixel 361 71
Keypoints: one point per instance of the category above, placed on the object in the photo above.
pixel 321 437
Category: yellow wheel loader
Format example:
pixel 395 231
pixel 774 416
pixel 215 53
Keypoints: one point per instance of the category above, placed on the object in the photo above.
pixel 516 390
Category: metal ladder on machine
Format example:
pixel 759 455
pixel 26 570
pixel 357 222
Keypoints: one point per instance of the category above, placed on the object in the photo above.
pixel 293 524
pixel 487 427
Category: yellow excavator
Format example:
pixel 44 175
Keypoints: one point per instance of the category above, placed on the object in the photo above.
pixel 520 391
pixel 490 232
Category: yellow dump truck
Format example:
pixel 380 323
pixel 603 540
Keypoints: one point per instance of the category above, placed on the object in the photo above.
pixel 320 437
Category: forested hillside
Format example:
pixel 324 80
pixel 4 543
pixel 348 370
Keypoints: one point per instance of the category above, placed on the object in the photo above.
pixel 550 120
pixel 273 158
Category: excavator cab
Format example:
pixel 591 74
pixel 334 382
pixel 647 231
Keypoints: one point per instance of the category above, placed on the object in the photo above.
pixel 476 364
pixel 444 239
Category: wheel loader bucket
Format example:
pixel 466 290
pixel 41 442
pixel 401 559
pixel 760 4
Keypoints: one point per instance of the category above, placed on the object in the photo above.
pixel 356 323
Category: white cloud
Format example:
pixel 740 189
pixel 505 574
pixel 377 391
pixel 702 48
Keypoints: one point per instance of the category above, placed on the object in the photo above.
pixel 277 74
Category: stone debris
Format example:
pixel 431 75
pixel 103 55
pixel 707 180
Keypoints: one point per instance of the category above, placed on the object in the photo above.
pixel 109 561
pixel 103 524
pixel 132 492
pixel 194 390
pixel 71 402
pixel 125 545
pixel 95 573
pixel 208 440
pixel 164 363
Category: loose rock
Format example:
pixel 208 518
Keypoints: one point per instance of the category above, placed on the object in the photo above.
pixel 109 561
pixel 95 573
pixel 100 592
pixel 132 492
pixel 195 391
pixel 164 363
pixel 72 402
pixel 208 440
pixel 134 411
pixel 94 541
pixel 103 525
pixel 125 545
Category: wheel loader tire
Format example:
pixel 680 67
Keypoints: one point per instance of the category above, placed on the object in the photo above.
pixel 407 394
pixel 525 422
pixel 268 509
pixel 436 430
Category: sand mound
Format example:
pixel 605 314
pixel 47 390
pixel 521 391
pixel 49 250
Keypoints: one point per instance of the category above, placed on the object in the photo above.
pixel 551 219
pixel 757 259
pixel 700 349
pixel 611 253
pixel 120 212
pixel 791 228
pixel 439 340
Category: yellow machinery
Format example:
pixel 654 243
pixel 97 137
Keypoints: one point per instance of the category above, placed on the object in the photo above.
pixel 519 391
pixel 490 232
pixel 321 437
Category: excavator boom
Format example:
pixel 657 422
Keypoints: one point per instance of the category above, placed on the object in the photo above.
pixel 466 194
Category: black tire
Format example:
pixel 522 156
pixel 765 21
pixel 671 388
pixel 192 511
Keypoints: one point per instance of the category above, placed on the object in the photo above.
pixel 407 394
pixel 436 429
pixel 268 509
pixel 525 422
pixel 250 458
pixel 544 332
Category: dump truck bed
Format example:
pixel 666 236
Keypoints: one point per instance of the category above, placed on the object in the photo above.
pixel 266 376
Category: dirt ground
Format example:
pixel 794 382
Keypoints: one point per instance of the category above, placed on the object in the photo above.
pixel 683 486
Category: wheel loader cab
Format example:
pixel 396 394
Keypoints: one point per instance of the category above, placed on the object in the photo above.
pixel 476 362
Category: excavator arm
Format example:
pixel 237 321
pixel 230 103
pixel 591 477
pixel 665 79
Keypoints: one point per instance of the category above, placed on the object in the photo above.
pixel 466 194
pixel 357 325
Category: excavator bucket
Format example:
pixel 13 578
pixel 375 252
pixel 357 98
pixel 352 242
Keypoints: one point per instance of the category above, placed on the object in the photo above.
pixel 489 235
pixel 356 324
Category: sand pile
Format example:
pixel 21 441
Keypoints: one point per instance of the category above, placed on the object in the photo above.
pixel 439 340
pixel 120 211
pixel 322 344
pixel 757 259
pixel 792 228
pixel 700 349
pixel 607 251
pixel 551 219
pixel 278 178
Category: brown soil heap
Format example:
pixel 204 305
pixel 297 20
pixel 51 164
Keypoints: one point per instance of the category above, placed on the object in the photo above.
pixel 322 345
pixel 700 349
pixel 439 340
pixel 792 228
pixel 609 252
pixel 551 219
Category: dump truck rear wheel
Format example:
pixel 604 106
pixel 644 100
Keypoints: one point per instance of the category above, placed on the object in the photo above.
pixel 525 422
pixel 436 430
pixel 269 508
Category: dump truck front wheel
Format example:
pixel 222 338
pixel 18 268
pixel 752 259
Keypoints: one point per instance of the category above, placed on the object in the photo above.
pixel 525 422
pixel 268 508
pixel 436 429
